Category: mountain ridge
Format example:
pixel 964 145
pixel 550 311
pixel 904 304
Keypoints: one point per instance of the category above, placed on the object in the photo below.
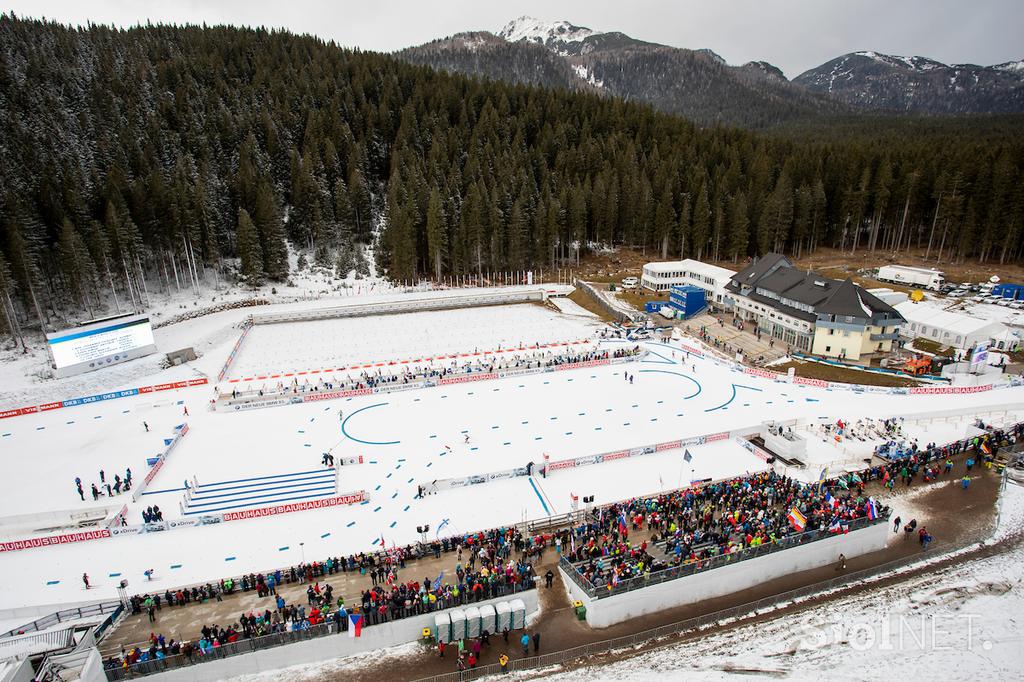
pixel 701 85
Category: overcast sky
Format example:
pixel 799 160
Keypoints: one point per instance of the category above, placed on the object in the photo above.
pixel 795 35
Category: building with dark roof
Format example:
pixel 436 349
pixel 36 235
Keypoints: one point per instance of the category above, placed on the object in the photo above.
pixel 813 313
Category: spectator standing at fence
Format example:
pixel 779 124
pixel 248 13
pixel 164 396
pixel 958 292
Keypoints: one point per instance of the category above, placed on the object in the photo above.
pixel 503 662
pixel 536 642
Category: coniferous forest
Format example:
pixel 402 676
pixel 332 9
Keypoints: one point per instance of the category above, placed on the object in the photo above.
pixel 147 157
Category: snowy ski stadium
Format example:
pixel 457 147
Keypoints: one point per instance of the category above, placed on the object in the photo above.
pixel 310 431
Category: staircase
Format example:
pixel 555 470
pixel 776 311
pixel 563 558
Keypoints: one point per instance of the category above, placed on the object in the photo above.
pixel 259 491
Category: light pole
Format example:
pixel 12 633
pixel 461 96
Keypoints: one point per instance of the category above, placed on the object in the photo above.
pixel 302 547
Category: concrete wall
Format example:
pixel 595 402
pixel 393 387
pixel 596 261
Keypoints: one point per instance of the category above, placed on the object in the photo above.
pixel 434 300
pixel 736 577
pixel 323 648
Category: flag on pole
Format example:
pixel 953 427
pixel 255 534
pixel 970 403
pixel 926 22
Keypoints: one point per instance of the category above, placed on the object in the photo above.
pixel 437 582
pixel 443 523
pixel 833 526
pixel 687 457
pixel 382 543
pixel 798 520
pixel 823 474
pixel 872 509
pixel 355 624
pixel 831 501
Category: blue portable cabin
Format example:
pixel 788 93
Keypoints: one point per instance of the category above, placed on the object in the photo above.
pixel 1006 290
pixel 688 300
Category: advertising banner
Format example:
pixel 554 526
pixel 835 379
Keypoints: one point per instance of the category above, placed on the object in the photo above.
pixel 943 390
pixel 324 503
pixel 466 379
pixel 51 540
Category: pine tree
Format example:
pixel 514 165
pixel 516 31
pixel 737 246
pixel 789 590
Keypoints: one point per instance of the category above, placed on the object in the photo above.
pixel 437 235
pixel 249 249
pixel 701 221
pixel 739 227
pixel 267 219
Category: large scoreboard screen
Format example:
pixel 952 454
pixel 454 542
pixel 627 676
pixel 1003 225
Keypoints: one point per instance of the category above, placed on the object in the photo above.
pixel 100 344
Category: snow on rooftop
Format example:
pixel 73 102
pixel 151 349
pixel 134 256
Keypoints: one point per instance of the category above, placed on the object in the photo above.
pixel 690 265
pixel 934 316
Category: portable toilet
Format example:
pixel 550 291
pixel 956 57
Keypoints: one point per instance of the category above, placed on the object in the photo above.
pixel 518 608
pixel 443 627
pixel 458 617
pixel 503 616
pixel 472 621
pixel 488 619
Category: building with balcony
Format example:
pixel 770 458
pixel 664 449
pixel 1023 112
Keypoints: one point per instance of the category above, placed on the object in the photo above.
pixel 711 278
pixel 812 313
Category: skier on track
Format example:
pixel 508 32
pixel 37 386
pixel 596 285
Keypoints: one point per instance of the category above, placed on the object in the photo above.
pixel 85 579
pixel 145 426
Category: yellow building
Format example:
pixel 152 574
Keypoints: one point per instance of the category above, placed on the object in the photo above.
pixel 811 313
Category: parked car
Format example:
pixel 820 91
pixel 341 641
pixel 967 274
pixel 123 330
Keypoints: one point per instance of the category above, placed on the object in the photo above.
pixel 1004 302
pixel 630 282
pixel 1017 305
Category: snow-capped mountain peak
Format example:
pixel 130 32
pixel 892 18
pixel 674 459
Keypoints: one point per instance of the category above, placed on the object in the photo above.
pixel 913 63
pixel 547 33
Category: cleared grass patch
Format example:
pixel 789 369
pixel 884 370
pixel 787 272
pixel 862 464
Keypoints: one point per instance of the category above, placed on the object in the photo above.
pixel 844 375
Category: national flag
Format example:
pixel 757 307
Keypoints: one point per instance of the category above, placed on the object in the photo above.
pixel 355 624
pixel 831 501
pixel 437 583
pixel 798 520
pixel 622 523
pixel 872 509
pixel 382 543
pixel 834 526
pixel 823 474
pixel 986 449
pixel 441 525
pixel 687 457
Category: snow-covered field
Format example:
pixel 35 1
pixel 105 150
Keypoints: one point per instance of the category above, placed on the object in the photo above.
pixel 405 439
pixel 279 348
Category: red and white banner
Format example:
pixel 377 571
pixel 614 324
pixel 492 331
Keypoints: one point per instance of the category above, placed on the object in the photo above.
pixel 350 498
pixel 468 378
pixel 671 445
pixel 313 397
pixel 588 363
pixel 757 372
pixel 810 382
pixel 941 390
pixel 51 540
pixel 72 402
pixel 716 436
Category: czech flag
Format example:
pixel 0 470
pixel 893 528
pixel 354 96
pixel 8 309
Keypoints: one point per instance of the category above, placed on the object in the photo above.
pixel 798 520
pixel 355 624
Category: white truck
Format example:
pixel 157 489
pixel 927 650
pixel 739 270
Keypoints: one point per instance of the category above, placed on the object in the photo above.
pixel 923 278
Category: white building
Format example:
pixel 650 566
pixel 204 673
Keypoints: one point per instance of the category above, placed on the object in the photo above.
pixel 960 331
pixel 711 278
